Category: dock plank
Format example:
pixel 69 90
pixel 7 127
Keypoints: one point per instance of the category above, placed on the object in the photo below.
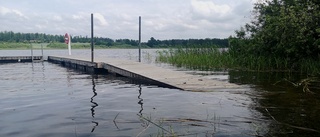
pixel 177 79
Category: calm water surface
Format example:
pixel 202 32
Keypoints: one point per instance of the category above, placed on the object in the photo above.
pixel 44 99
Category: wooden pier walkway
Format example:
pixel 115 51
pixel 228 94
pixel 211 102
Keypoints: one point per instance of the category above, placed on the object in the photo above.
pixel 146 72
pixel 13 59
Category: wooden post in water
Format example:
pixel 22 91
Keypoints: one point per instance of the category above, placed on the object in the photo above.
pixel 139 38
pixel 92 50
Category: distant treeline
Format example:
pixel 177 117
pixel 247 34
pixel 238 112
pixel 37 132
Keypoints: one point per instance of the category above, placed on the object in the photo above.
pixel 9 36
pixel 188 42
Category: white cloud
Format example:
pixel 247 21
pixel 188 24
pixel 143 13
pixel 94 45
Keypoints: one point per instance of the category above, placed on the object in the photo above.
pixel 207 8
pixel 41 26
pixel 4 10
pixel 77 16
pixel 11 12
pixel 101 20
pixel 57 18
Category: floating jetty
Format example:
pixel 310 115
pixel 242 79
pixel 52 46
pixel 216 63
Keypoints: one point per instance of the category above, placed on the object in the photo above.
pixel 145 72
pixel 14 59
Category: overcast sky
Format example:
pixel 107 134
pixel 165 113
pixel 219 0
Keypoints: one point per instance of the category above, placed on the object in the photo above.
pixel 161 19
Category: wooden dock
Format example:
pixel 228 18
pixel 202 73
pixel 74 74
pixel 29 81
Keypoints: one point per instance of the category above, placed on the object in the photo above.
pixel 146 72
pixel 14 59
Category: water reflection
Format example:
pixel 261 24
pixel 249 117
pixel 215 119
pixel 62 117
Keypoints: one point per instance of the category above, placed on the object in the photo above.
pixel 95 125
pixel 140 99
pixel 37 72
pixel 32 67
pixel 69 79
pixel 94 104
pixel 291 112
pixel 43 71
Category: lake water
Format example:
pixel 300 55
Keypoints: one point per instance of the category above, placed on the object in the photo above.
pixel 44 99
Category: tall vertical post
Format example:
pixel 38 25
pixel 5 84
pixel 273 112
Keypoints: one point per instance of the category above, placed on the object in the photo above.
pixel 139 38
pixel 92 50
pixel 42 51
pixel 31 52
pixel 67 40
pixel 69 44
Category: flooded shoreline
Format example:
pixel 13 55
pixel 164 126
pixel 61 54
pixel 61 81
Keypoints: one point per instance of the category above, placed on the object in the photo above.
pixel 45 99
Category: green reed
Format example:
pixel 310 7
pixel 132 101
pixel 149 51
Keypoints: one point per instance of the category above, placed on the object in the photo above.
pixel 211 58
pixel 196 58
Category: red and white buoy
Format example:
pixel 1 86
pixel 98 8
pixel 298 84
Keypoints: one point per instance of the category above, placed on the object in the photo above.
pixel 67 40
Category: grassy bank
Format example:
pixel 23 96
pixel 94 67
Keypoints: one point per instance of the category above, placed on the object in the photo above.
pixel 88 46
pixel 214 58
pixel 5 45
pixel 85 46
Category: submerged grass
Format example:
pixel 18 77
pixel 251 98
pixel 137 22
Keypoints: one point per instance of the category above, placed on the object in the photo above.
pixel 212 58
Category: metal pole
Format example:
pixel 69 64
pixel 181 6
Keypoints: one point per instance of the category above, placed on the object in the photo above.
pixel 92 52
pixel 42 51
pixel 139 38
pixel 31 52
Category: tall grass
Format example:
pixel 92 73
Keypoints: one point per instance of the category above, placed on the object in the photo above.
pixel 211 58
pixel 196 58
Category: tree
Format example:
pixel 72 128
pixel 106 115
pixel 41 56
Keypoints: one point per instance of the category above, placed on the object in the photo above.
pixel 287 29
pixel 152 42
